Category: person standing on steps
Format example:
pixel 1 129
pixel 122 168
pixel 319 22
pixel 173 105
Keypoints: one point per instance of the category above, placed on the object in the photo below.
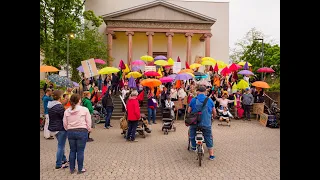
pixel 107 103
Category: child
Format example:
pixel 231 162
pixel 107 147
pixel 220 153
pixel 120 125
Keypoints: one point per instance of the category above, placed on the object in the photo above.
pixel 225 115
pixel 240 111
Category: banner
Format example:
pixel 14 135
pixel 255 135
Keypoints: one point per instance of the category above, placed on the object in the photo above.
pixel 150 68
pixel 89 68
pixel 176 67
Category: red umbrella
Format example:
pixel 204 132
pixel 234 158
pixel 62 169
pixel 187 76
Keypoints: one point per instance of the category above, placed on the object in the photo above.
pixel 216 68
pixel 151 73
pixel 187 65
pixel 265 70
pixel 225 71
pixel 121 65
pixel 234 67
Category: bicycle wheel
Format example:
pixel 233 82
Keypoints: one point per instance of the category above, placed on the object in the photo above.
pixel 200 157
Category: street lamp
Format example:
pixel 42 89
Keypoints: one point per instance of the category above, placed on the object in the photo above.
pixel 69 36
pixel 262 54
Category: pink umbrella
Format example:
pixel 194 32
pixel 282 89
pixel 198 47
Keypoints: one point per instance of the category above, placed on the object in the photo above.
pixel 225 71
pixel 234 67
pixel 151 73
pixel 138 63
pixel 265 70
pixel 99 61
pixel 166 79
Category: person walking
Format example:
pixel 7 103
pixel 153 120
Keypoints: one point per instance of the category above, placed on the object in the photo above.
pixel 56 112
pixel 247 100
pixel 107 103
pixel 133 110
pixel 77 123
pixel 46 98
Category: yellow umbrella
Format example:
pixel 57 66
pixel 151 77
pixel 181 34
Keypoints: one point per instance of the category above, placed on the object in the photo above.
pixel 48 69
pixel 195 65
pixel 185 70
pixel 126 70
pixel 221 64
pixel 242 84
pixel 109 70
pixel 134 75
pixel 242 63
pixel 161 63
pixel 208 59
pixel 170 62
pixel 207 62
pixel 147 58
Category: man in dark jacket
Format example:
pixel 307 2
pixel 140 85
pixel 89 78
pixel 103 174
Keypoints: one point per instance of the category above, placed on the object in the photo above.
pixel 247 100
pixel 115 83
pixel 107 103
pixel 56 112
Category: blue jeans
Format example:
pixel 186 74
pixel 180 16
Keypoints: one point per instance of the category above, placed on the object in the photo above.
pixel 153 112
pixel 108 116
pixel 132 127
pixel 207 134
pixel 77 142
pixel 61 137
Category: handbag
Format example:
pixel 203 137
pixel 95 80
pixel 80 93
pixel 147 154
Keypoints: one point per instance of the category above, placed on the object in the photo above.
pixel 194 117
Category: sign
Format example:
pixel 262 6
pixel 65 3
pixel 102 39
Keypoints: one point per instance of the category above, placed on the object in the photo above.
pixel 264 119
pixel 176 67
pixel 150 68
pixel 258 108
pixel 89 68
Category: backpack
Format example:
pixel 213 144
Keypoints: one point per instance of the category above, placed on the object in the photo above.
pixel 194 117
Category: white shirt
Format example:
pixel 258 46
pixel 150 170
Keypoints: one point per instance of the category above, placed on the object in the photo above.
pixel 246 78
pixel 124 92
pixel 173 93
pixel 181 93
pixel 169 104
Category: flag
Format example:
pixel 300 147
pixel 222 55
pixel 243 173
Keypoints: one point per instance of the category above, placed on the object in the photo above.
pixel 121 65
pixel 216 69
pixel 178 59
pixel 159 71
pixel 187 65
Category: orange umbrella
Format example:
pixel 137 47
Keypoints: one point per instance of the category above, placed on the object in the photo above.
pixel 260 84
pixel 186 71
pixel 48 69
pixel 151 83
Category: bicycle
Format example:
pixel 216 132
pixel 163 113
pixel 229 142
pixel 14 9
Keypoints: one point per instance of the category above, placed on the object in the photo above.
pixel 199 144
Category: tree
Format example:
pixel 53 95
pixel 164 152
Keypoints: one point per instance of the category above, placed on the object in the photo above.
pixel 58 18
pixel 249 49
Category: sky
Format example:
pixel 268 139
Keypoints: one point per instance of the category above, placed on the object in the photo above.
pixel 264 15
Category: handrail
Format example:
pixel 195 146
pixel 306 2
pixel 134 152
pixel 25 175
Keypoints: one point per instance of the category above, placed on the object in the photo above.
pixel 270 101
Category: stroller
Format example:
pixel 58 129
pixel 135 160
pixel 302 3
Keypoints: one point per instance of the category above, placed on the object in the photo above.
pixel 99 113
pixel 168 121
pixel 141 129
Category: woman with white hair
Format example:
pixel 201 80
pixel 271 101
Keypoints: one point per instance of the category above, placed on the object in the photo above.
pixel 133 111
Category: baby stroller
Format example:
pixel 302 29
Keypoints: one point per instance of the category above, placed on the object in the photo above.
pixel 99 113
pixel 141 129
pixel 224 115
pixel 168 121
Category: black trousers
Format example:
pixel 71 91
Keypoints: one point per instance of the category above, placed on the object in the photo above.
pixel 132 127
pixel 247 111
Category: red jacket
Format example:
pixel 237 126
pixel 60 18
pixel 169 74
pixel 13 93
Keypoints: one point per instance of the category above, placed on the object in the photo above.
pixel 133 109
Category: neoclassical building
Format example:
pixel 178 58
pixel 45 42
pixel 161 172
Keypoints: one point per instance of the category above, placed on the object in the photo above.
pixel 188 29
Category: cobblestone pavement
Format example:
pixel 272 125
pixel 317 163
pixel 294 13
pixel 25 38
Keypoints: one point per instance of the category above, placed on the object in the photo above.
pixel 246 150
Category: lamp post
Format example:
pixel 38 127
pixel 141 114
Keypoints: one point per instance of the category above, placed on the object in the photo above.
pixel 262 53
pixel 68 38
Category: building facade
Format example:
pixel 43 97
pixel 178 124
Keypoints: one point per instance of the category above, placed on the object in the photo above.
pixel 188 29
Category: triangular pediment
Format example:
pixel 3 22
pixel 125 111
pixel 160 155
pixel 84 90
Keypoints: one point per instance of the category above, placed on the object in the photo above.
pixel 159 11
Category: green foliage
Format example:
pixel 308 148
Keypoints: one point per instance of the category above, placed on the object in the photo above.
pixel 58 18
pixel 42 83
pixel 250 50
pixel 274 84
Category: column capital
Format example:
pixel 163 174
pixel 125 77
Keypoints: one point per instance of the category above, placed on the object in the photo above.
pixel 149 33
pixel 170 34
pixel 110 32
pixel 209 35
pixel 130 32
pixel 189 34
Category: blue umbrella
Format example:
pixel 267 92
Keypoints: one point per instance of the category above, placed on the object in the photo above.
pixel 135 68
pixel 173 76
pixel 75 84
pixel 245 72
pixel 60 80
pixel 132 83
pixel 160 58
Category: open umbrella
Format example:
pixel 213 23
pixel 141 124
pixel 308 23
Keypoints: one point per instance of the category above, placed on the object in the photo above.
pixel 208 59
pixel 132 83
pixel 242 84
pixel 109 70
pixel 60 80
pixel 225 71
pixel 199 74
pixel 185 70
pixel 127 69
pixel 205 63
pixel 48 69
pixel 121 65
pixel 151 73
pixel 99 61
pixel 160 58
pixel 195 65
pixel 133 74
pixel 246 66
pixel 265 70
pixel 242 63
pixel 221 64
pixel 260 84
pixel 80 69
pixel 234 67
pixel 151 83
pixel 183 76
pixel 203 83
pixel 173 76
pixel 138 63
pixel 245 72
pixel 135 68
pixel 166 79
pixel 216 68
pixel 75 84
pixel 147 58
pixel 161 63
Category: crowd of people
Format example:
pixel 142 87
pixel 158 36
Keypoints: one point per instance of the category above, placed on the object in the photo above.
pixel 69 116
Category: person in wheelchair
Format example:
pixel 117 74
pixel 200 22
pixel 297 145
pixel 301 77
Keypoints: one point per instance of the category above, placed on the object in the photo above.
pixel 225 115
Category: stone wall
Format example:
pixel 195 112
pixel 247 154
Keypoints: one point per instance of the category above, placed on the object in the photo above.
pixel 275 96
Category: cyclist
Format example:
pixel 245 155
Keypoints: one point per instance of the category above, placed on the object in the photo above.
pixel 205 122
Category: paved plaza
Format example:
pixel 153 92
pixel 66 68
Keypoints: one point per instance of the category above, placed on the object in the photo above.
pixel 246 150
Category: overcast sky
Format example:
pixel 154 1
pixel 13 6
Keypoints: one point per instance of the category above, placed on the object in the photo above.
pixel 246 14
